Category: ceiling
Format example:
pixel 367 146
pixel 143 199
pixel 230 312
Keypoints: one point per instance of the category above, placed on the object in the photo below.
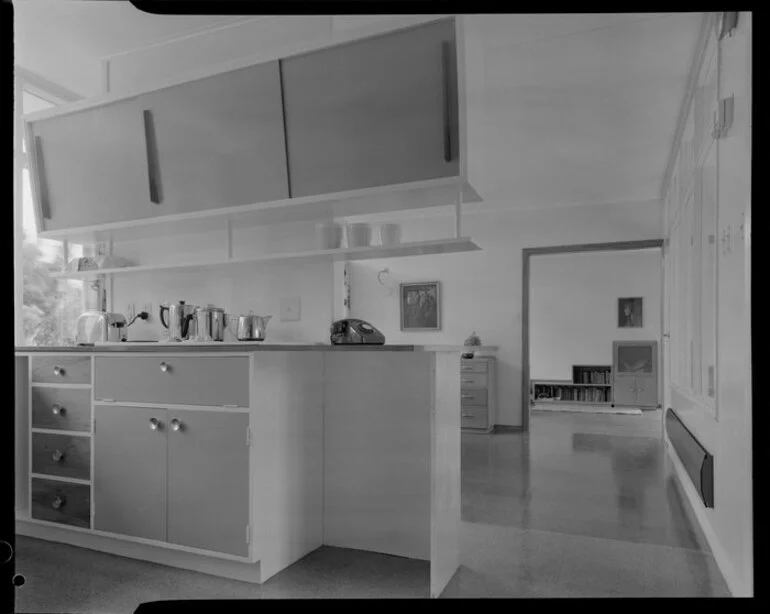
pixel 573 109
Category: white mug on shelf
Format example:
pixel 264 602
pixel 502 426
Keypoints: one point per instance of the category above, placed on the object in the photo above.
pixel 390 234
pixel 359 234
pixel 329 235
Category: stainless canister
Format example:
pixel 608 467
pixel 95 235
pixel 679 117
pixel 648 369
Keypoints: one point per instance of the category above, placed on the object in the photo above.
pixel 211 323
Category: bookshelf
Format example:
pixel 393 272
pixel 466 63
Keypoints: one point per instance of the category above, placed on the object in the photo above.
pixel 590 385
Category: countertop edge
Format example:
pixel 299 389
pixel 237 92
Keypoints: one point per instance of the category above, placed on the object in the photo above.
pixel 182 348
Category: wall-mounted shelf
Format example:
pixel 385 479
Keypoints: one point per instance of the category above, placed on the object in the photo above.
pixel 392 198
pixel 419 248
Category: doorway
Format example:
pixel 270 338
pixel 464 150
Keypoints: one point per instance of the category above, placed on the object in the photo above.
pixel 618 310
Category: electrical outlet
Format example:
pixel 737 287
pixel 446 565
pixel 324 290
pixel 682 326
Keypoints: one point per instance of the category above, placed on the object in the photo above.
pixel 290 309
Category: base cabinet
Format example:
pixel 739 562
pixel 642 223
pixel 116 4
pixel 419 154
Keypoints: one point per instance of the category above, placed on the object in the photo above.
pixel 173 475
pixel 635 373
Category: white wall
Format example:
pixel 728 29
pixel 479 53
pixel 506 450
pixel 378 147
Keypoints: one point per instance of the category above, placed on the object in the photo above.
pixel 481 290
pixel 574 307
pixel 728 433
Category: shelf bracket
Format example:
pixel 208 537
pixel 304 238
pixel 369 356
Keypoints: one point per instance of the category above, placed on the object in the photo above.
pixel 229 242
pixel 458 212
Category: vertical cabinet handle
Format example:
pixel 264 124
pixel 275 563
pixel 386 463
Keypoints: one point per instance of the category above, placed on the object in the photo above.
pixel 153 167
pixel 446 66
pixel 45 205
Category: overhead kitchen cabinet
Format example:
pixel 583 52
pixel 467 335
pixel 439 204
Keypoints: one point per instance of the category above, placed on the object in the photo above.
pixel 180 476
pixel 89 167
pixel 375 112
pixel 216 142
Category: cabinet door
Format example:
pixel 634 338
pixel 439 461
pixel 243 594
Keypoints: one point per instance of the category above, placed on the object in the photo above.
pixel 218 141
pixel 647 391
pixel 208 480
pixel 90 167
pixel 624 390
pixel 375 112
pixel 130 471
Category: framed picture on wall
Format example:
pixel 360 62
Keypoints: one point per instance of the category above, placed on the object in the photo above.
pixel 420 306
pixel 630 312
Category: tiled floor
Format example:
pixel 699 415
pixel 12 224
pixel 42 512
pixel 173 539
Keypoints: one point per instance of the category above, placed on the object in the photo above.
pixel 583 506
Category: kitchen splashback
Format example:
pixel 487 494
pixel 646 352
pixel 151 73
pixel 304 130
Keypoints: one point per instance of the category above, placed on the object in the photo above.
pixel 238 289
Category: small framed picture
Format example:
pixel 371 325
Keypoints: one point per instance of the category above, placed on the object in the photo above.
pixel 420 306
pixel 630 312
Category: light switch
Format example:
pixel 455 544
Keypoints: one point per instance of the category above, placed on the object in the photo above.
pixel 290 309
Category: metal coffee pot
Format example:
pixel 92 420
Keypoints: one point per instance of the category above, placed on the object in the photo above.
pixel 211 323
pixel 181 322
pixel 248 328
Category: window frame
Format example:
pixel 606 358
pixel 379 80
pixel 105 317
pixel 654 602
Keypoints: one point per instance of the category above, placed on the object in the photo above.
pixel 25 82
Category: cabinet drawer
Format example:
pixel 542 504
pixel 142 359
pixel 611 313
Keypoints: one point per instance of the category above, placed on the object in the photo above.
pixel 66 409
pixel 61 369
pixel 473 366
pixel 474 417
pixel 56 501
pixel 67 456
pixel 475 396
pixel 183 380
pixel 473 380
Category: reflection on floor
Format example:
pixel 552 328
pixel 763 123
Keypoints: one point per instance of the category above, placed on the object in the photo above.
pixel 583 506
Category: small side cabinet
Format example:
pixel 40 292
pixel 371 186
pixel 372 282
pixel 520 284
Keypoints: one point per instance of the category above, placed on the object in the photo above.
pixel 478 398
pixel 635 373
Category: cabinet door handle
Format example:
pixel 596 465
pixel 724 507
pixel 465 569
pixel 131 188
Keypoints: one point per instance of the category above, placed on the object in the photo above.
pixel 58 456
pixel 467 369
pixel 467 396
pixel 57 370
pixel 58 410
pixel 45 205
pixel 153 166
pixel 446 63
pixel 154 424
pixel 164 367
pixel 175 424
pixel 467 380
pixel 57 503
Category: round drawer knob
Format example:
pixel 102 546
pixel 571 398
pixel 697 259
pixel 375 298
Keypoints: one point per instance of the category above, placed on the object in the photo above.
pixel 57 503
pixel 58 410
pixel 57 370
pixel 154 424
pixel 176 425
pixel 58 455
pixel 163 367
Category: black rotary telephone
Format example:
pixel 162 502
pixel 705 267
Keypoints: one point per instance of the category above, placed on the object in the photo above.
pixel 352 331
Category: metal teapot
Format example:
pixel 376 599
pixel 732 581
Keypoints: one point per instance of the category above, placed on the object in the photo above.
pixel 249 327
pixel 181 323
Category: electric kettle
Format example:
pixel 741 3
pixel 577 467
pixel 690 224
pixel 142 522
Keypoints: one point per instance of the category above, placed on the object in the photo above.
pixel 181 322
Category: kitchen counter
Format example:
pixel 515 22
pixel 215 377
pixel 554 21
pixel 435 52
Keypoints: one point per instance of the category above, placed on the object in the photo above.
pixel 245 346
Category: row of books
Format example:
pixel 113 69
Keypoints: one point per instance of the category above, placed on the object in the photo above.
pixel 591 376
pixel 572 393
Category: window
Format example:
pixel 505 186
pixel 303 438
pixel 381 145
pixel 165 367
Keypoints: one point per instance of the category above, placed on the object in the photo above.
pixel 47 307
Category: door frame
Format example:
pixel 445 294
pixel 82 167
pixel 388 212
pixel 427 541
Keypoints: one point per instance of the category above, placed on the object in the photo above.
pixel 526 254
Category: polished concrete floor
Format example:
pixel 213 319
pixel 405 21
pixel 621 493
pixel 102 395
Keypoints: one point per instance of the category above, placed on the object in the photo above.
pixel 584 505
